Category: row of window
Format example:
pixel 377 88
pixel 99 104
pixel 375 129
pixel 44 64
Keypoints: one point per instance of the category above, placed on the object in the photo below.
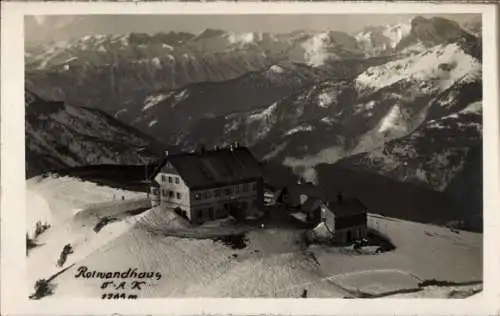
pixel 209 211
pixel 235 189
pixel 170 179
pixel 169 194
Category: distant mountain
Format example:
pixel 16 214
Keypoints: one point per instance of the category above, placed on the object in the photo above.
pixel 442 155
pixel 171 114
pixel 116 73
pixel 415 36
pixel 432 155
pixel 59 135
pixel 333 119
pixel 474 25
pixel 380 40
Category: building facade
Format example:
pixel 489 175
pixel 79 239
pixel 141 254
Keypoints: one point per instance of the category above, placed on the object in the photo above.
pixel 345 220
pixel 341 220
pixel 209 185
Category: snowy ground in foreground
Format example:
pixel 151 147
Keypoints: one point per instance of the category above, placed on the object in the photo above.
pixel 61 202
pixel 428 251
pixel 273 264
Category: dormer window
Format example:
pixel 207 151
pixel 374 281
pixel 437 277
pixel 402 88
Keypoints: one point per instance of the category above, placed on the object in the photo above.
pixel 169 179
pixel 163 178
pixel 177 180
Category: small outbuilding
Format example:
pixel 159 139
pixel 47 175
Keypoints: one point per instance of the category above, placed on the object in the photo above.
pixel 344 219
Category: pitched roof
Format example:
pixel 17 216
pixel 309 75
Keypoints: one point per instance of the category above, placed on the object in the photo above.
pixel 215 167
pixel 347 207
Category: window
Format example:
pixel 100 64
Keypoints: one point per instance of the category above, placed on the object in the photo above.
pixel 170 193
pixel 196 196
pixel 217 193
pixel 179 195
pixel 163 178
pixel 169 179
pixel 254 186
pixel 237 189
pixel 164 192
pixel 176 180
pixel 228 191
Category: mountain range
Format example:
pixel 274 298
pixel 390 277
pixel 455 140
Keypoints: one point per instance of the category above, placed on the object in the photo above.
pixel 398 103
pixel 59 136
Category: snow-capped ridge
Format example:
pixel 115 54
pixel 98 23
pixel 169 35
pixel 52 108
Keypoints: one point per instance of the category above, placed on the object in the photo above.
pixel 434 70
pixel 382 39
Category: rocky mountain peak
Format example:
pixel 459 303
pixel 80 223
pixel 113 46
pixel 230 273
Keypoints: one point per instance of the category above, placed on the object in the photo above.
pixel 433 31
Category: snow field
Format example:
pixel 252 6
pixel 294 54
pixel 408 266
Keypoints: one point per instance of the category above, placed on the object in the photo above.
pixel 376 282
pixel 427 251
pixel 62 202
pixel 273 263
pixel 194 268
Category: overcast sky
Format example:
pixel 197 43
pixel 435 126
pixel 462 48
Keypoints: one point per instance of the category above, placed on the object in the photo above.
pixel 43 28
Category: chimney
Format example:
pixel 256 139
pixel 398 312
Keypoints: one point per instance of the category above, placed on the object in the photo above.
pixel 340 197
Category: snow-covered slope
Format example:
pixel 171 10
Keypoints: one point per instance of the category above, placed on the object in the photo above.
pixel 272 262
pixel 59 135
pixel 432 71
pixel 61 203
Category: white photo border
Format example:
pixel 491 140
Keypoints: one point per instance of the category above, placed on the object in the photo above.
pixel 14 293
